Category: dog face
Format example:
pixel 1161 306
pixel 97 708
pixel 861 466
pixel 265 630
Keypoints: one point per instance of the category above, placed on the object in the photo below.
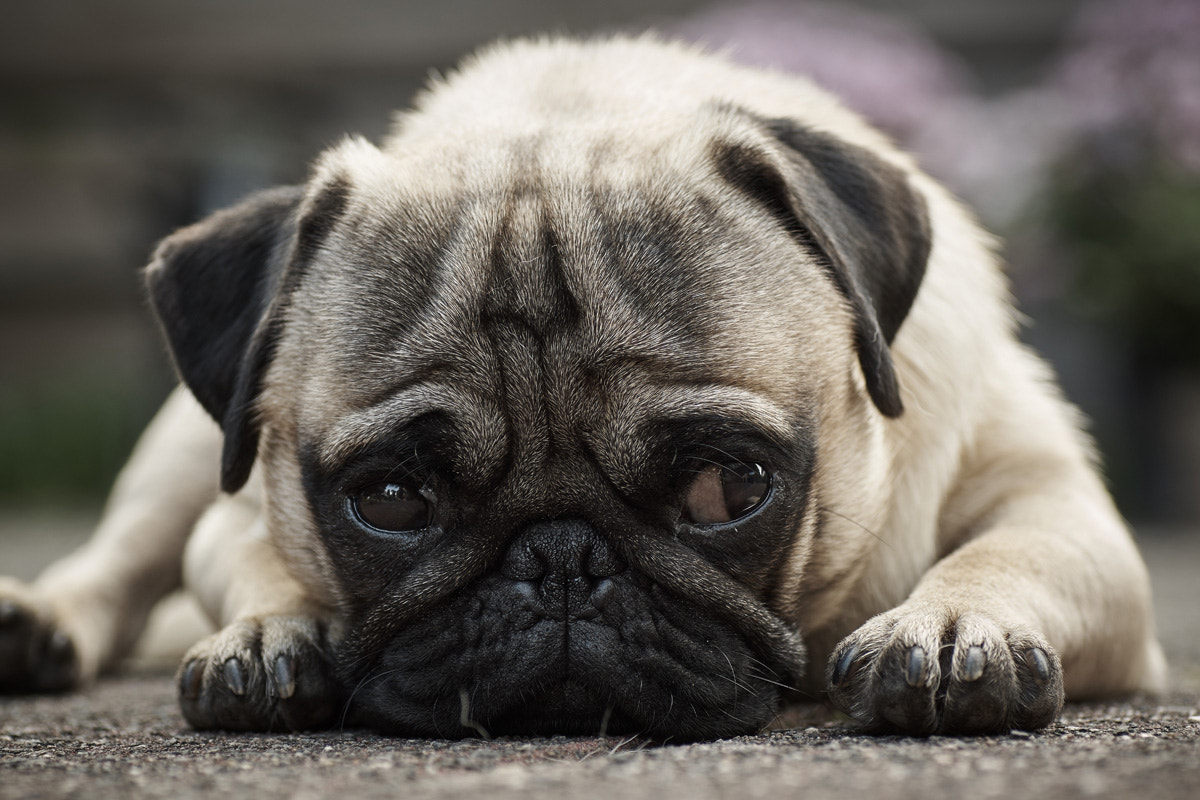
pixel 542 410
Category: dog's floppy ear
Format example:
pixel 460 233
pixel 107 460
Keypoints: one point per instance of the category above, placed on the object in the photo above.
pixel 859 214
pixel 213 287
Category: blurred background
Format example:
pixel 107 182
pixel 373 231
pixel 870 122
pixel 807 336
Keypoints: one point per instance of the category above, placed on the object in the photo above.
pixel 1073 127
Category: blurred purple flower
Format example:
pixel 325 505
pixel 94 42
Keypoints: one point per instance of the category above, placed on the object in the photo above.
pixel 1134 66
pixel 1131 67
pixel 882 67
pixel 902 81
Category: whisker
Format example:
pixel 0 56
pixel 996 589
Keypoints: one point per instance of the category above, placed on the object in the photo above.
pixel 855 523
pixel 725 453
pixel 416 462
pixel 608 710
pixel 770 681
pixel 733 674
pixel 366 679
pixel 617 747
pixel 702 459
pixel 464 714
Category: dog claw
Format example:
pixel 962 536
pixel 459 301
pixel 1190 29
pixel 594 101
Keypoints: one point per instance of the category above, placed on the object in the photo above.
pixel 842 668
pixel 235 676
pixel 59 645
pixel 191 680
pixel 914 673
pixel 1037 661
pixel 261 674
pixel 285 677
pixel 974 664
pixel 897 674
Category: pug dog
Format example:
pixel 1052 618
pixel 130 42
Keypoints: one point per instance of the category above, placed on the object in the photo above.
pixel 621 390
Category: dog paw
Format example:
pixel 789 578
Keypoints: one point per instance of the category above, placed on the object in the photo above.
pixel 926 672
pixel 36 654
pixel 267 674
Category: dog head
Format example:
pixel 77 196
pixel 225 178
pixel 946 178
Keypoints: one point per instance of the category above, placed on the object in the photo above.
pixel 539 397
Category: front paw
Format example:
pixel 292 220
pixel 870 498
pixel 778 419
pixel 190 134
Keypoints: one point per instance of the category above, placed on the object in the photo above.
pixel 931 671
pixel 265 674
pixel 36 653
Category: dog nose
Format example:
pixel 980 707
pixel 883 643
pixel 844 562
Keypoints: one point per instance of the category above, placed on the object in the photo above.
pixel 566 564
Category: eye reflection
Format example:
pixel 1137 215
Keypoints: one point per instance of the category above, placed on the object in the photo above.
pixel 393 506
pixel 725 493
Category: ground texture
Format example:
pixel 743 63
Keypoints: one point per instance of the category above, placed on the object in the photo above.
pixel 125 738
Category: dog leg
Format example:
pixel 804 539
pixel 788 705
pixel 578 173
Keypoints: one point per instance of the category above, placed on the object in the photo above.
pixel 270 666
pixel 88 609
pixel 1045 594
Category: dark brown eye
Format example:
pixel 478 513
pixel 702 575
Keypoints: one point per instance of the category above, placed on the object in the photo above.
pixel 721 494
pixel 393 507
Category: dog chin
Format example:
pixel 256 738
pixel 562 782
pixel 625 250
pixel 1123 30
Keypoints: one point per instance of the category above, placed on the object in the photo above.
pixel 568 709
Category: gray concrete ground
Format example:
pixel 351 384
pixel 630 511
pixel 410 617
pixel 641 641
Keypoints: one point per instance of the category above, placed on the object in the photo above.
pixel 124 738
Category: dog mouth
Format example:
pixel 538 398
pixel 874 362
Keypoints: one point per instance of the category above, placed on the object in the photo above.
pixel 645 665
pixel 565 636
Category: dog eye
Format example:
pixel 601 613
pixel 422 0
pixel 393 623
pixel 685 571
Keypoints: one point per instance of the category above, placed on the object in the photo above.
pixel 393 507
pixel 721 494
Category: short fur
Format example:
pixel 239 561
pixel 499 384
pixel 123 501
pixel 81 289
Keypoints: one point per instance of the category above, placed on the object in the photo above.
pixel 577 276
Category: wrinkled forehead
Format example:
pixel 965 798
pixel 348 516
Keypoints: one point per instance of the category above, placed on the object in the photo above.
pixel 559 259
pixel 547 272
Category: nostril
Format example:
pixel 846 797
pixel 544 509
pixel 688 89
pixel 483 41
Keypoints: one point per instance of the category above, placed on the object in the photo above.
pixel 571 547
pixel 527 592
pixel 602 595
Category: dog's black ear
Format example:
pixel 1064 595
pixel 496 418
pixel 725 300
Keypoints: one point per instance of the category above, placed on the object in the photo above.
pixel 859 214
pixel 213 286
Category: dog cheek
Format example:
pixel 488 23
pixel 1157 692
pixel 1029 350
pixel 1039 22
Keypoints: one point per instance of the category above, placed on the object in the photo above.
pixel 294 531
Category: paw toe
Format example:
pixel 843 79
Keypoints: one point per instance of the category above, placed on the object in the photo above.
pixel 238 679
pixel 906 682
pixel 964 675
pixel 35 654
pixel 1039 686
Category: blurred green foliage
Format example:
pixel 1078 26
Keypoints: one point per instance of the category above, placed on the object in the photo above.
pixel 65 432
pixel 1134 239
